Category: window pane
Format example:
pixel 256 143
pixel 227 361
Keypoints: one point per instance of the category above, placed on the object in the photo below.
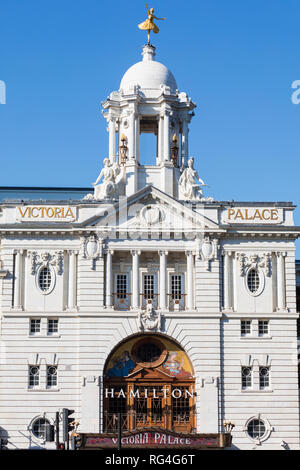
pixel 45 279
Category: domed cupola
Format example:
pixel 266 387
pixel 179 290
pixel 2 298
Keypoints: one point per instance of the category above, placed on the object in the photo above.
pixel 148 102
pixel 149 76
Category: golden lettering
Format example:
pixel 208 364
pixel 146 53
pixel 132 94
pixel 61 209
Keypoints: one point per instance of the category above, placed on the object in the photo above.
pixel 35 209
pixel 239 214
pixel 257 215
pixel 48 210
pixel 57 211
pixel 23 214
pixel 274 214
pixel 264 214
pixel 230 213
pixel 71 213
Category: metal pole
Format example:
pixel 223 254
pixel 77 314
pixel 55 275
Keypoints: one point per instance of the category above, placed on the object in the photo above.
pixel 119 432
pixel 57 429
pixel 73 447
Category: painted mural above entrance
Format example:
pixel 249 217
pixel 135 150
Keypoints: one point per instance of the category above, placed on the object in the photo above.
pixel 149 352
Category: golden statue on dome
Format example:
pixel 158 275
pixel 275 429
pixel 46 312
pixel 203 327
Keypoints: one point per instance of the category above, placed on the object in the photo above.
pixel 149 24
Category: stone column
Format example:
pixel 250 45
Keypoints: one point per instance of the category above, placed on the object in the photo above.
pixel 135 279
pixel 163 279
pixel 112 138
pixel 72 280
pixel 132 140
pixel 160 156
pixel 190 280
pixel 281 304
pixel 184 143
pixel 137 139
pixel 18 279
pixel 167 136
pixel 226 280
pixel 109 255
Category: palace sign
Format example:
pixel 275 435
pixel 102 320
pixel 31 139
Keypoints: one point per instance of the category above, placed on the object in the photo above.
pixel 252 215
pixel 155 439
pixel 45 213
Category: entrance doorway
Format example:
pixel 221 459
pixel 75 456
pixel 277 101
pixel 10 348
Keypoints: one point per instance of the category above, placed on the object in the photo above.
pixel 149 381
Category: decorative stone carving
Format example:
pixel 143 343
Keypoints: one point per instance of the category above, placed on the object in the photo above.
pixel 208 251
pixel 46 259
pixel 189 190
pixel 254 261
pixel 92 248
pixel 149 319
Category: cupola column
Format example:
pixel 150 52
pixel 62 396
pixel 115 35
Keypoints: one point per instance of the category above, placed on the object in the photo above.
pixel 160 156
pixel 184 143
pixel 112 138
pixel 132 136
pixel 167 135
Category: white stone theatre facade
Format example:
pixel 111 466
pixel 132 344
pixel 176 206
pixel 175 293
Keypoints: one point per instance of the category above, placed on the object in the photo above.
pixel 144 298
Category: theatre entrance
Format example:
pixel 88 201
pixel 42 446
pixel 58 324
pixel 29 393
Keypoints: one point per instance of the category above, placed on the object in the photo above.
pixel 149 383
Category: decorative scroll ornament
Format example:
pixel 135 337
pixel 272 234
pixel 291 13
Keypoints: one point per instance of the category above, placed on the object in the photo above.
pixel 46 259
pixel 92 249
pixel 208 251
pixel 149 319
pixel 254 261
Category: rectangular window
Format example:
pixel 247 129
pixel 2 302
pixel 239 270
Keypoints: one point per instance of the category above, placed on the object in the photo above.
pixel 34 376
pixel 264 377
pixel 176 286
pixel 52 326
pixel 263 327
pixel 245 327
pixel 51 376
pixel 149 286
pixel 121 287
pixel 246 378
pixel 35 325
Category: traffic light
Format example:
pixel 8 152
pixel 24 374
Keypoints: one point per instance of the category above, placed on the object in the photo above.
pixel 49 432
pixel 3 443
pixel 61 446
pixel 67 423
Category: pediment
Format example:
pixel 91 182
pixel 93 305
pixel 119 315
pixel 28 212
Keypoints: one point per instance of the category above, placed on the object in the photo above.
pixel 150 209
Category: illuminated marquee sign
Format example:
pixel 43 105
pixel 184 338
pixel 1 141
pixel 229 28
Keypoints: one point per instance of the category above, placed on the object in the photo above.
pixel 45 213
pixel 252 215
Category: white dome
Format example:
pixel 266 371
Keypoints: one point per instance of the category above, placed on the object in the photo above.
pixel 148 74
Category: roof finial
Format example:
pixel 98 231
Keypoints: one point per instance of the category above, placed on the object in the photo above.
pixel 149 24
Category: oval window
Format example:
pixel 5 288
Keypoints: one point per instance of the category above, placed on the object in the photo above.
pixel 45 279
pixel 253 281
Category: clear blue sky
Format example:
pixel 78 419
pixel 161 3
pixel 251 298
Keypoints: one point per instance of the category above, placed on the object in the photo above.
pixel 237 60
